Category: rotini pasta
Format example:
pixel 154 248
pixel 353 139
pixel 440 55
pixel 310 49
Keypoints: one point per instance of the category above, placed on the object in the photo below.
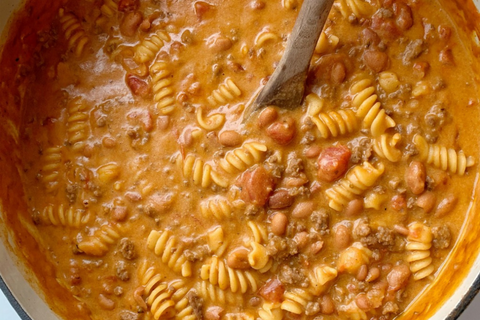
pixel 108 172
pixel 320 276
pixel 369 108
pixel 105 236
pixel 443 158
pixel 385 147
pixel 419 242
pixel 352 258
pixel 66 217
pixel 260 234
pixel 357 180
pixel 77 124
pixel 326 43
pixel 166 245
pixel 270 311
pixel 163 93
pixel 108 9
pixel 258 258
pixel 73 32
pixel 211 122
pixel 217 242
pixel 219 208
pixel 359 8
pixel 242 158
pixel 149 47
pixel 216 295
pixel 218 273
pixel 201 173
pixel 226 92
pixel 52 162
pixel 296 300
pixel 266 36
pixel 351 311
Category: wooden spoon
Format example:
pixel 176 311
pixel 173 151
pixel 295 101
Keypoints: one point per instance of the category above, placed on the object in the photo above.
pixel 287 84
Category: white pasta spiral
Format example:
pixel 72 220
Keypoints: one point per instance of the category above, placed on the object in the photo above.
pixel 385 147
pixel 77 124
pixel 52 162
pixel 218 273
pixel 351 311
pixel 216 241
pixel 149 47
pixel 73 32
pixel 266 36
pixel 419 242
pixel 66 217
pixel 226 92
pixel 326 43
pixel 217 207
pixel 163 93
pixel 319 276
pixel 201 173
pixel 270 311
pixel 105 236
pixel 357 180
pixel 240 159
pixel 443 158
pixel 369 108
pixel 296 300
pixel 212 122
pixel 359 8
pixel 216 295
pixel 170 249
pixel 259 231
pixel 108 9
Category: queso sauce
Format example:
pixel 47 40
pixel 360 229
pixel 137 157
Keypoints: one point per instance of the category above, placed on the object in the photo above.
pixel 152 199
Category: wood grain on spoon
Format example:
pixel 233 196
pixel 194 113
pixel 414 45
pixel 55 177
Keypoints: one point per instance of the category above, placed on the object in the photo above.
pixel 287 84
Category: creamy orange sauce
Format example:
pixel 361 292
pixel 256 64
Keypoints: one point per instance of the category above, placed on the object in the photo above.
pixel 147 196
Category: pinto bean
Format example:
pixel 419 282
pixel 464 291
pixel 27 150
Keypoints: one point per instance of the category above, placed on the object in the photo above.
pixel 333 163
pixel 312 151
pixel 230 138
pixel 370 37
pixel 109 142
pixel 362 273
pixel 280 199
pixel 128 5
pixel 426 201
pixel 130 23
pixel 238 259
pixel 279 223
pixel 403 15
pixel 338 73
pixel 327 305
pixel 267 117
pixel 257 184
pixel 119 213
pixel 373 274
pixel 415 177
pixel 218 43
pixel 303 209
pixel 421 68
pixel 282 132
pixel 105 303
pixel 214 313
pixel 398 202
pixel 341 237
pixel 363 302
pixel 138 86
pixel 376 60
pixel 272 290
pixel 398 277
pixel 446 206
pixel 301 239
pixel 353 208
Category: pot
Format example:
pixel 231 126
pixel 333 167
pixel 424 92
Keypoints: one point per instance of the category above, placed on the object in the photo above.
pixel 455 286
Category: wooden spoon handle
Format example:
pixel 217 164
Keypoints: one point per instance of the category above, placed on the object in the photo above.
pixel 287 84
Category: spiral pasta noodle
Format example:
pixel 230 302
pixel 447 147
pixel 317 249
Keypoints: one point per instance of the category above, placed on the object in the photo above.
pixel 357 180
pixel 211 122
pixel 149 47
pixel 52 163
pixel 258 258
pixel 419 242
pixel 216 241
pixel 443 158
pixel 183 309
pixel 352 311
pixel 320 276
pixel 359 8
pixel 108 9
pixel 218 273
pixel 201 173
pixel 369 108
pixel 166 245
pixel 105 236
pixel 218 207
pixel 296 300
pixel 163 93
pixel 326 43
pixel 242 158
pixel 352 258
pixel 264 37
pixel 77 124
pixel 385 147
pixel 226 92
pixel 73 32
pixel 270 311
pixel 216 295
pixel 66 217
pixel 260 234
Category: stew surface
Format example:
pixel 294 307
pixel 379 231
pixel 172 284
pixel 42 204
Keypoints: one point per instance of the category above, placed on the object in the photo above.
pixel 152 198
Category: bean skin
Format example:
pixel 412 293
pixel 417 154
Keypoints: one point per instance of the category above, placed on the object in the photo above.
pixel 446 206
pixel 327 305
pixel 415 177
pixel 230 138
pixel 282 132
pixel 257 184
pixel 267 117
pixel 353 208
pixel 426 201
pixel 238 259
pixel 341 237
pixel 280 199
pixel 398 277
pixel 376 60
pixel 279 223
pixel 303 209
